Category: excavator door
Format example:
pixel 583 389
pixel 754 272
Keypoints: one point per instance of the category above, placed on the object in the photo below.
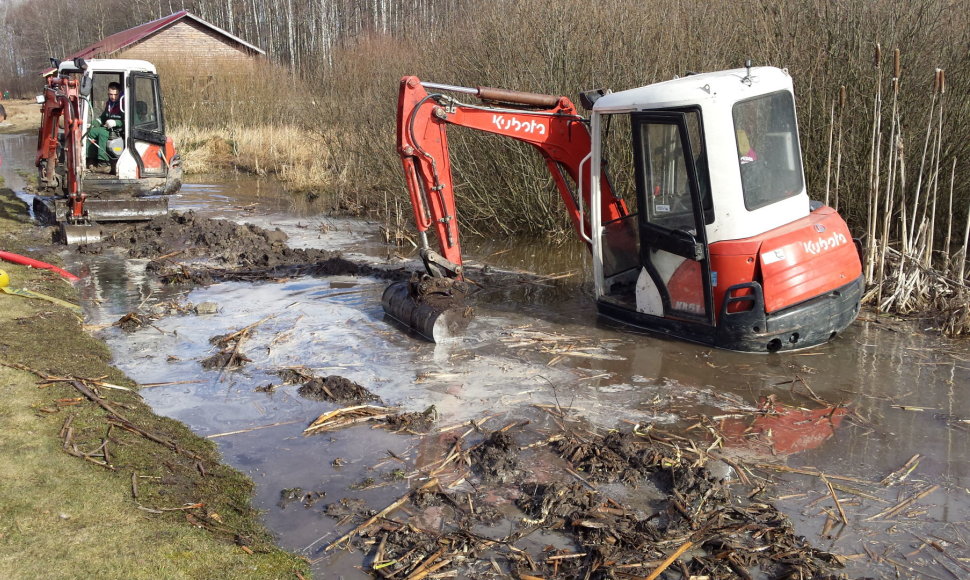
pixel 675 203
pixel 146 139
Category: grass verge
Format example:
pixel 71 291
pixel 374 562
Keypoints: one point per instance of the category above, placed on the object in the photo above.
pixel 105 488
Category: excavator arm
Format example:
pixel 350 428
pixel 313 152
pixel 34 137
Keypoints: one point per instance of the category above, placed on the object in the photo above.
pixel 549 123
pixel 61 128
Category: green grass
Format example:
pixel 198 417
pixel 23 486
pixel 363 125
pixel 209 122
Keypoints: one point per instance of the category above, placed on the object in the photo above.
pixel 64 517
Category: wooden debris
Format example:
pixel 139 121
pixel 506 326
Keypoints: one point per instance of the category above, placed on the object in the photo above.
pixel 890 512
pixel 902 473
pixel 239 431
pixel 118 419
pixel 813 472
pixel 393 506
pixel 666 563
pixel 346 417
pixel 835 498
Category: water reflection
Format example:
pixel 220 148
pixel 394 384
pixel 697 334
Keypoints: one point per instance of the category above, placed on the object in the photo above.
pixel 779 430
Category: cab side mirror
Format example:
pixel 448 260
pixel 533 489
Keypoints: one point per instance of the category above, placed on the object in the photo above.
pixel 87 83
pixel 588 98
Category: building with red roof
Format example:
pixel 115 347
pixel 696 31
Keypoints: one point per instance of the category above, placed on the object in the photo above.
pixel 181 37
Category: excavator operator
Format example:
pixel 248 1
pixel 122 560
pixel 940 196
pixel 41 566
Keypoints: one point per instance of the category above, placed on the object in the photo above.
pixel 111 122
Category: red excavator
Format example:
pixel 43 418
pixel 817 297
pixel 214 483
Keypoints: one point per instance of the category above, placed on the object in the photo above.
pixel 689 193
pixel 121 176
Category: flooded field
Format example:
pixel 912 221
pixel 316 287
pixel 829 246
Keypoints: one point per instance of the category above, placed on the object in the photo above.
pixel 864 439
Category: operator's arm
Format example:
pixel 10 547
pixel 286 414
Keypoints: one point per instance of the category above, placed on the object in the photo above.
pixel 111 120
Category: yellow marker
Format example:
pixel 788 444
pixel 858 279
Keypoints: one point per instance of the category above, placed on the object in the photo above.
pixel 5 280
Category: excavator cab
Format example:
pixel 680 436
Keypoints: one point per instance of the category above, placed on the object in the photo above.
pixel 133 146
pixel 725 227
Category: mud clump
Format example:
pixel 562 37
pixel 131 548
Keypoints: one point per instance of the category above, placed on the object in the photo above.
pixel 331 389
pixel 417 423
pixel 189 235
pixel 229 356
pixel 225 359
pixel 348 507
pixel 496 460
pixel 132 321
pixel 306 498
pixel 294 375
pixel 335 389
pixel 179 274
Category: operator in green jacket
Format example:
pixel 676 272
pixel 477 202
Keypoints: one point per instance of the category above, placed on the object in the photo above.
pixel 112 120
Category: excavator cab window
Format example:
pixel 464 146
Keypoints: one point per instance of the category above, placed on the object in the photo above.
pixel 667 189
pixel 99 93
pixel 621 244
pixel 768 152
pixel 667 181
pixel 147 123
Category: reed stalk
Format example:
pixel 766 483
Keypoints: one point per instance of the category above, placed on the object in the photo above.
pixel 874 164
pixel 896 151
pixel 828 158
pixel 949 219
pixel 838 148
pixel 922 165
pixel 961 275
pixel 938 145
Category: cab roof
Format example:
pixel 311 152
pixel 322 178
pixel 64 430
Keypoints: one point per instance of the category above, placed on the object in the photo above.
pixel 696 89
pixel 96 65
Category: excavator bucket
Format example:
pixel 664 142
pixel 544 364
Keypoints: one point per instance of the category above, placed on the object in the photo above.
pixel 75 235
pixel 432 307
pixel 98 213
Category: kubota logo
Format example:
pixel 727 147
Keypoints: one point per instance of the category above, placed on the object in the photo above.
pixel 505 123
pixel 822 244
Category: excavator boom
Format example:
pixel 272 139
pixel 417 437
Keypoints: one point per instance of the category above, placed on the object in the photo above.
pixel 549 123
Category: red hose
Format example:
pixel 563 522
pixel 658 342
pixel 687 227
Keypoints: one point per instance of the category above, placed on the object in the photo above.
pixel 18 259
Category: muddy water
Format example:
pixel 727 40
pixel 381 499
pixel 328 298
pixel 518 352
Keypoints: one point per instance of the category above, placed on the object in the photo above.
pixel 538 344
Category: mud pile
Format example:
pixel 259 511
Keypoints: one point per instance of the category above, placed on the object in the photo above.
pixel 335 389
pixel 190 248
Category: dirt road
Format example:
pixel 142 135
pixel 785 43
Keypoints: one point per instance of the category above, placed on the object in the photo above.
pixel 22 116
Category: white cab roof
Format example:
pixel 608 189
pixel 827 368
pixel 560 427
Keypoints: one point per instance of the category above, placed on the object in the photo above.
pixel 119 64
pixel 729 85
pixel 110 65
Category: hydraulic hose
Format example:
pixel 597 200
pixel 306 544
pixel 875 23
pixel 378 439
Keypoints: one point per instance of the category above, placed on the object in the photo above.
pixel 24 260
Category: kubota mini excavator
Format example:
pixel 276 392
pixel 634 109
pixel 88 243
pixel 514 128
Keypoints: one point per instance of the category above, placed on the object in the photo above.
pixel 711 238
pixel 143 165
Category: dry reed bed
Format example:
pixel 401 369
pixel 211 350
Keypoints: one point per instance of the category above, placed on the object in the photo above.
pixel 912 264
pixel 302 160
pixel 891 156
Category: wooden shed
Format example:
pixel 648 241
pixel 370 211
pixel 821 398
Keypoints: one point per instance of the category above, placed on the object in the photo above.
pixel 181 38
